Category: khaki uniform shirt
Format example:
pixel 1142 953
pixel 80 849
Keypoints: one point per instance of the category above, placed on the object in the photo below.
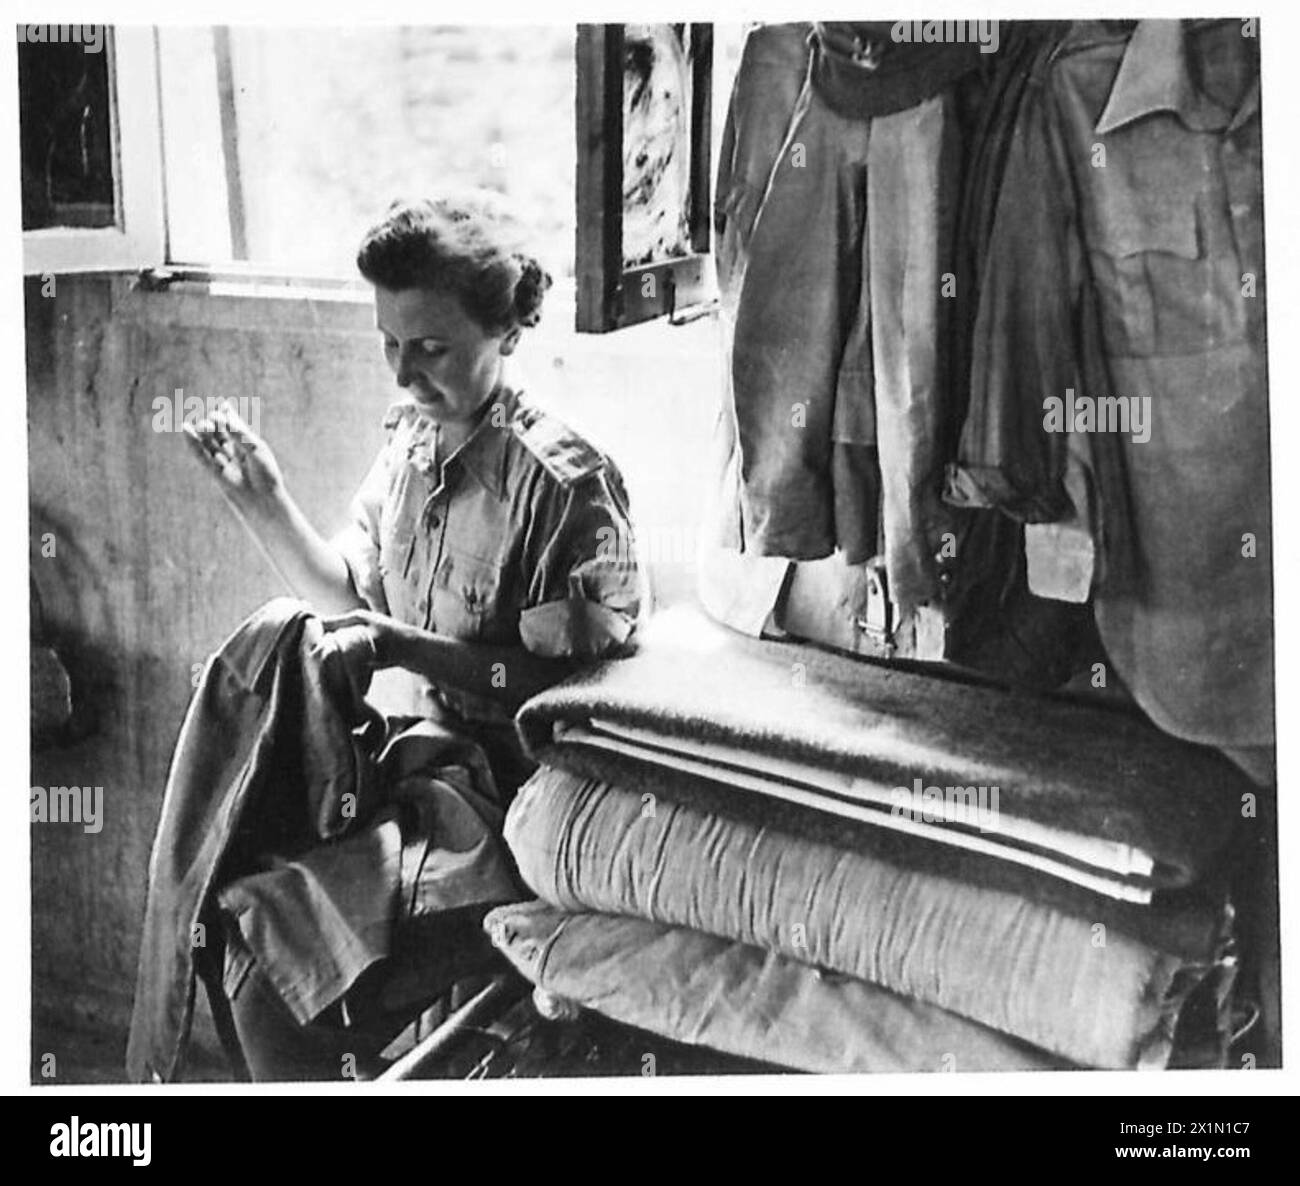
pixel 521 536
pixel 1142 281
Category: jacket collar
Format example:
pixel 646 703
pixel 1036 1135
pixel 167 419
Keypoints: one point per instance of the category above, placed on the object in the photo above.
pixel 1153 76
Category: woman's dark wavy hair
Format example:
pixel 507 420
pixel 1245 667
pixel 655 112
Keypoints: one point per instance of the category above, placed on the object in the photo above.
pixel 466 244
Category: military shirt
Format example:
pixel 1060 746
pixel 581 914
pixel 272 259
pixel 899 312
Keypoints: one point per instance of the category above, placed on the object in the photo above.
pixel 1127 260
pixel 521 536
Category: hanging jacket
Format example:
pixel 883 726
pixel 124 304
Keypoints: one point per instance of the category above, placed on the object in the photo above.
pixel 1126 265
pixel 842 412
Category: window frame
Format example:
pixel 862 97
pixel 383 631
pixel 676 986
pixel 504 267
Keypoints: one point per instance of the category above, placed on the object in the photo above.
pixel 139 242
pixel 611 297
pixel 139 237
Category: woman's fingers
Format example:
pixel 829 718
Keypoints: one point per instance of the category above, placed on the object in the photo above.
pixel 236 426
pixel 203 440
pixel 205 430
pixel 221 431
pixel 243 460
pixel 196 442
pixel 207 441
pixel 356 649
pixel 356 617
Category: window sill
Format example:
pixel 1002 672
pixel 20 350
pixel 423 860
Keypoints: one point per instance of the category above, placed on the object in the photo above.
pixel 260 299
pixel 234 298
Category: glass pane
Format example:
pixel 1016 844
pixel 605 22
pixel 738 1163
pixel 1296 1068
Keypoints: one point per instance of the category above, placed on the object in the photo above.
pixel 198 225
pixel 656 144
pixel 295 140
pixel 65 112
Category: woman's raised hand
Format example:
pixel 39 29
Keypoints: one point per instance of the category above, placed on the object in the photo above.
pixel 242 463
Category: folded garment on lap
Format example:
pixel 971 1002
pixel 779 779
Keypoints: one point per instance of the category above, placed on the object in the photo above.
pixel 706 991
pixel 317 922
pixel 1069 983
pixel 1087 794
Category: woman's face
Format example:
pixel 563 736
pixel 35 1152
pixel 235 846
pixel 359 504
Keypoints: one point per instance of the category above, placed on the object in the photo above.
pixel 447 362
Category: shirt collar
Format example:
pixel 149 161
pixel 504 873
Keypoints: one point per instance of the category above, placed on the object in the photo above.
pixel 484 453
pixel 1153 76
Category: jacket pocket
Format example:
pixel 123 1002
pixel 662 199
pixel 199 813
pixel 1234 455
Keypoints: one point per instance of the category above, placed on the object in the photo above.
pixel 1161 292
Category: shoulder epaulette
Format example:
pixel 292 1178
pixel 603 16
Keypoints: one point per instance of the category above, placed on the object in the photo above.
pixel 562 452
pixel 402 412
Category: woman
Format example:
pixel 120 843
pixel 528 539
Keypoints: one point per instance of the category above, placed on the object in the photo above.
pixel 489 550
pixel 490 546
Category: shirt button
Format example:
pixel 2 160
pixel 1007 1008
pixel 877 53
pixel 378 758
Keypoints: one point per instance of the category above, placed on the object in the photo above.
pixel 434 521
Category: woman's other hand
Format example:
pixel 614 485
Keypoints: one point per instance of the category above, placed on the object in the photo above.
pixel 369 639
pixel 505 672
pixel 242 463
pixel 352 645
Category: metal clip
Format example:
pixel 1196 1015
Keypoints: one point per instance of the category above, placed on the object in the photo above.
pixel 155 279
pixel 878 623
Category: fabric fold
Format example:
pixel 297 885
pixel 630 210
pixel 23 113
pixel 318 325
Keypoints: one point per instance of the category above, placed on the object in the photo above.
pixel 1085 788
pixel 318 827
pixel 705 991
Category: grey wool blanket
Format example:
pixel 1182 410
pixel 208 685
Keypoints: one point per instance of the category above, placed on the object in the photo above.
pixel 1073 978
pixel 1080 793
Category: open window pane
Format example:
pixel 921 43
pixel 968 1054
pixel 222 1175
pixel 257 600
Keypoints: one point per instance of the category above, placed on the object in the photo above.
pixel 656 127
pixel 91 165
pixel 65 97
pixel 644 129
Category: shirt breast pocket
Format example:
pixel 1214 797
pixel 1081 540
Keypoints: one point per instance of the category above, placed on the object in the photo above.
pixel 1165 285
pixel 468 600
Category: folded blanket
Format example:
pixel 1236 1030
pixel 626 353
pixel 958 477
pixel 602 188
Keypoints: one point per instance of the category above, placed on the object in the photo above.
pixel 657 848
pixel 1188 923
pixel 706 991
pixel 1082 793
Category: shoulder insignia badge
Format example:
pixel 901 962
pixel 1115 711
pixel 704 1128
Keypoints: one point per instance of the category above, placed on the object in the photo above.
pixel 562 452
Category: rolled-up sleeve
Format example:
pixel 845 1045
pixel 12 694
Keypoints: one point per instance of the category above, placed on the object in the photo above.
pixel 585 594
pixel 358 542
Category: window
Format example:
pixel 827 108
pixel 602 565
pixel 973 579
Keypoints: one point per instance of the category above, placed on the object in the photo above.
pixel 264 151
pixel 283 145
pixel 67 135
pixel 91 172
pixel 645 127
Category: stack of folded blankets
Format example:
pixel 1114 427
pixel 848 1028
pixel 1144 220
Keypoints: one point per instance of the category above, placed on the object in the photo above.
pixel 832 866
